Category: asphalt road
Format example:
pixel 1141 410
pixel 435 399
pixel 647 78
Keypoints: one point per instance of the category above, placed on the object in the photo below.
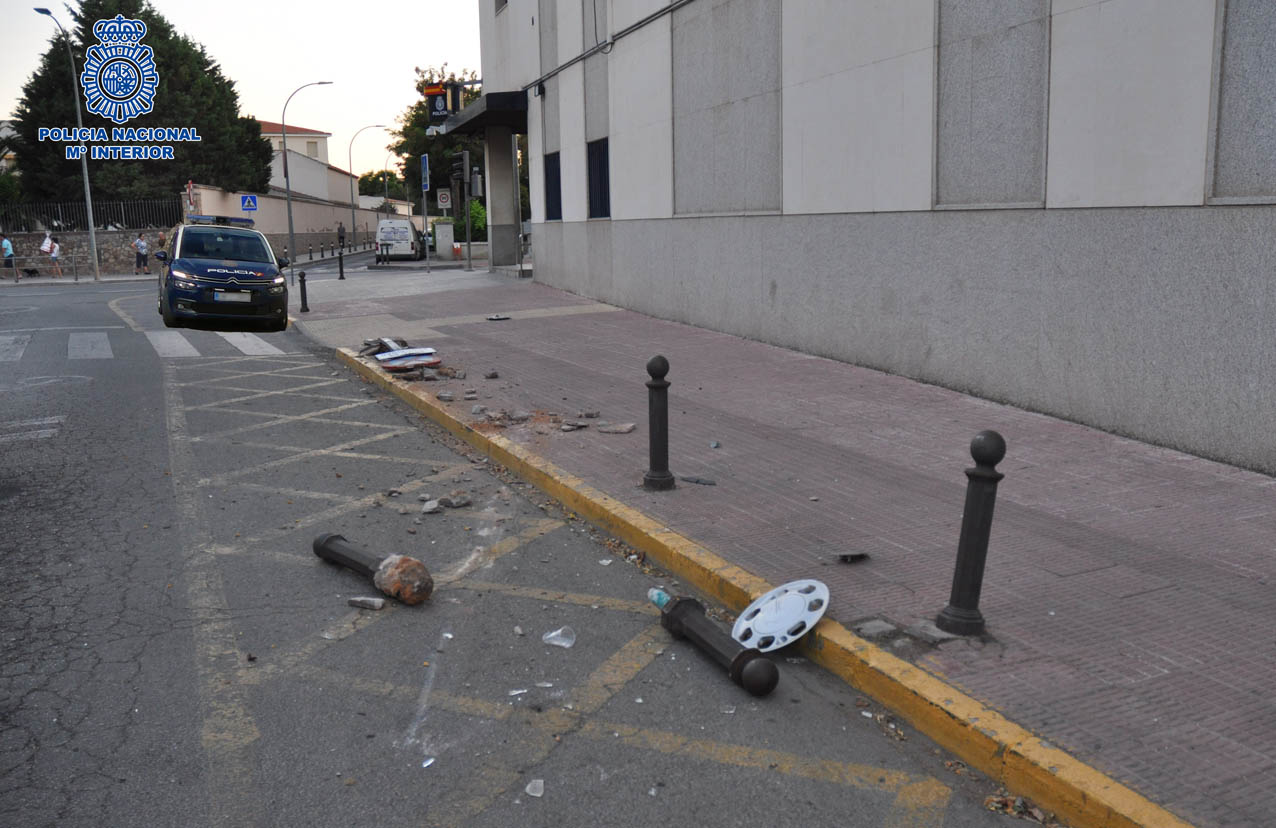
pixel 175 654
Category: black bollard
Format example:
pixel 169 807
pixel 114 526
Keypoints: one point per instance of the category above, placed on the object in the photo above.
pixel 962 616
pixel 304 307
pixel 341 263
pixel 658 478
pixel 747 667
pixel 310 250
pixel 321 247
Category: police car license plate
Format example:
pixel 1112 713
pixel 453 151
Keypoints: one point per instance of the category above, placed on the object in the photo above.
pixel 232 297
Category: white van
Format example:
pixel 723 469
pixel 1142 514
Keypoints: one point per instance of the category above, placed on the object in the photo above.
pixel 402 238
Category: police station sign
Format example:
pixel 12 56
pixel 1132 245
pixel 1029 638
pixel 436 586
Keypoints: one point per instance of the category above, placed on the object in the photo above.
pixel 119 83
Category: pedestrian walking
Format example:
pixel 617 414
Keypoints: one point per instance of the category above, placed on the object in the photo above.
pixel 142 248
pixel 6 247
pixel 161 244
pixel 54 252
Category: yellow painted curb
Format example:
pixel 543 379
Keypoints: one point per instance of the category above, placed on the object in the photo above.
pixel 982 737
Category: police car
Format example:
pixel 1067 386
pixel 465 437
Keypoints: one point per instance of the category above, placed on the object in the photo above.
pixel 220 270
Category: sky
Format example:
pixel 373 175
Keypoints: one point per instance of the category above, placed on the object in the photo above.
pixel 271 47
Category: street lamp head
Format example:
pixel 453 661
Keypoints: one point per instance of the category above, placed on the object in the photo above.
pixel 45 11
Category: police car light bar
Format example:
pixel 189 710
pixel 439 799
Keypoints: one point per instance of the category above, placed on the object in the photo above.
pixel 233 221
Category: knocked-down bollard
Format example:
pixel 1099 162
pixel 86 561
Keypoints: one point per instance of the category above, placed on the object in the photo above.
pixel 658 478
pixel 397 575
pixel 685 618
pixel 962 616
pixel 341 263
pixel 304 307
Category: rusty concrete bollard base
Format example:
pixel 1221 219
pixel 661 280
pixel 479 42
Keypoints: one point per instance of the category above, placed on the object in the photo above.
pixel 404 578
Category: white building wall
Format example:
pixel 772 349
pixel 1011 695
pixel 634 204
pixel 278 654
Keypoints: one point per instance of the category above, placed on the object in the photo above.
pixel 305 175
pixel 535 159
pixel 1129 102
pixel 571 120
pixel 571 30
pixel 627 12
pixel 511 58
pixel 858 105
pixel 640 146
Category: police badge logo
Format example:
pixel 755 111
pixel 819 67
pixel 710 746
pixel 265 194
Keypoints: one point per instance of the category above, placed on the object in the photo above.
pixel 119 77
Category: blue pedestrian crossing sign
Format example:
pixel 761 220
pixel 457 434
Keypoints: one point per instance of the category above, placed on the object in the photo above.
pixel 248 202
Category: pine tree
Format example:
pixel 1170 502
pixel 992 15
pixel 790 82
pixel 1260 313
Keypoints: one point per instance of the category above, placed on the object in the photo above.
pixel 192 93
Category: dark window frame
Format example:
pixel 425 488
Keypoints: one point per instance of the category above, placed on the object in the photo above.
pixel 553 187
pixel 598 172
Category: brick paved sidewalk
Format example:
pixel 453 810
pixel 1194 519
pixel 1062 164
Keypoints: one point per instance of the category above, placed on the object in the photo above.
pixel 1128 587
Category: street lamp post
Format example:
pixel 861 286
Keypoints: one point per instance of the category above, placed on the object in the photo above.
pixel 84 164
pixel 283 122
pixel 354 228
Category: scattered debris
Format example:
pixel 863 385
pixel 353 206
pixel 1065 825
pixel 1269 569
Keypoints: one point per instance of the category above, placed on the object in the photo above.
pixel 429 760
pixel 519 416
pixel 853 557
pixel 471 394
pixel 431 507
pixel 567 427
pixel 714 444
pixel 456 500
pixel 536 787
pixel 398 353
pixel 518 630
pixel 591 415
pixel 616 428
pixel 813 499
pixel 703 481
pixel 491 375
pixel 367 603
pixel 393 492
pixel 518 692
pixel 396 575
pixel 445 396
pixel 497 317
pixel 1003 803
pixel 378 346
pixel 478 410
pixel 605 561
pixel 453 373
pixel 561 637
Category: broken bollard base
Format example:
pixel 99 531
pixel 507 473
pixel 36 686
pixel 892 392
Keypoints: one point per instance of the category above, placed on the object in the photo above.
pixel 398 576
pixel 746 666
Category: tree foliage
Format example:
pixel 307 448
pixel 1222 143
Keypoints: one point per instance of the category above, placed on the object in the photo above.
pixel 376 184
pixel 412 142
pixel 192 93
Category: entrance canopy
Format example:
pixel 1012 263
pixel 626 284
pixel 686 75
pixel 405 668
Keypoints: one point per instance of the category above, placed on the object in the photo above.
pixel 507 109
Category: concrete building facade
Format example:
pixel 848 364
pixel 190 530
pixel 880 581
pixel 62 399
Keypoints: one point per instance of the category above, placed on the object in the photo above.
pixel 1063 205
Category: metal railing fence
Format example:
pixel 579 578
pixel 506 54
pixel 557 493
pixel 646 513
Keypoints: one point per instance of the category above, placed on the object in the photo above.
pixel 69 216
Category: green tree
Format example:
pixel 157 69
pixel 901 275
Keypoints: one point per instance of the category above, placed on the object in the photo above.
pixel 412 142
pixel 376 183
pixel 192 92
pixel 478 221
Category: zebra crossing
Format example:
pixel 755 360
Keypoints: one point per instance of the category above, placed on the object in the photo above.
pixel 167 344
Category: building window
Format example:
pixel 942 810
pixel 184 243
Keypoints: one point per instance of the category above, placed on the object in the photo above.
pixel 312 149
pixel 599 180
pixel 553 188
